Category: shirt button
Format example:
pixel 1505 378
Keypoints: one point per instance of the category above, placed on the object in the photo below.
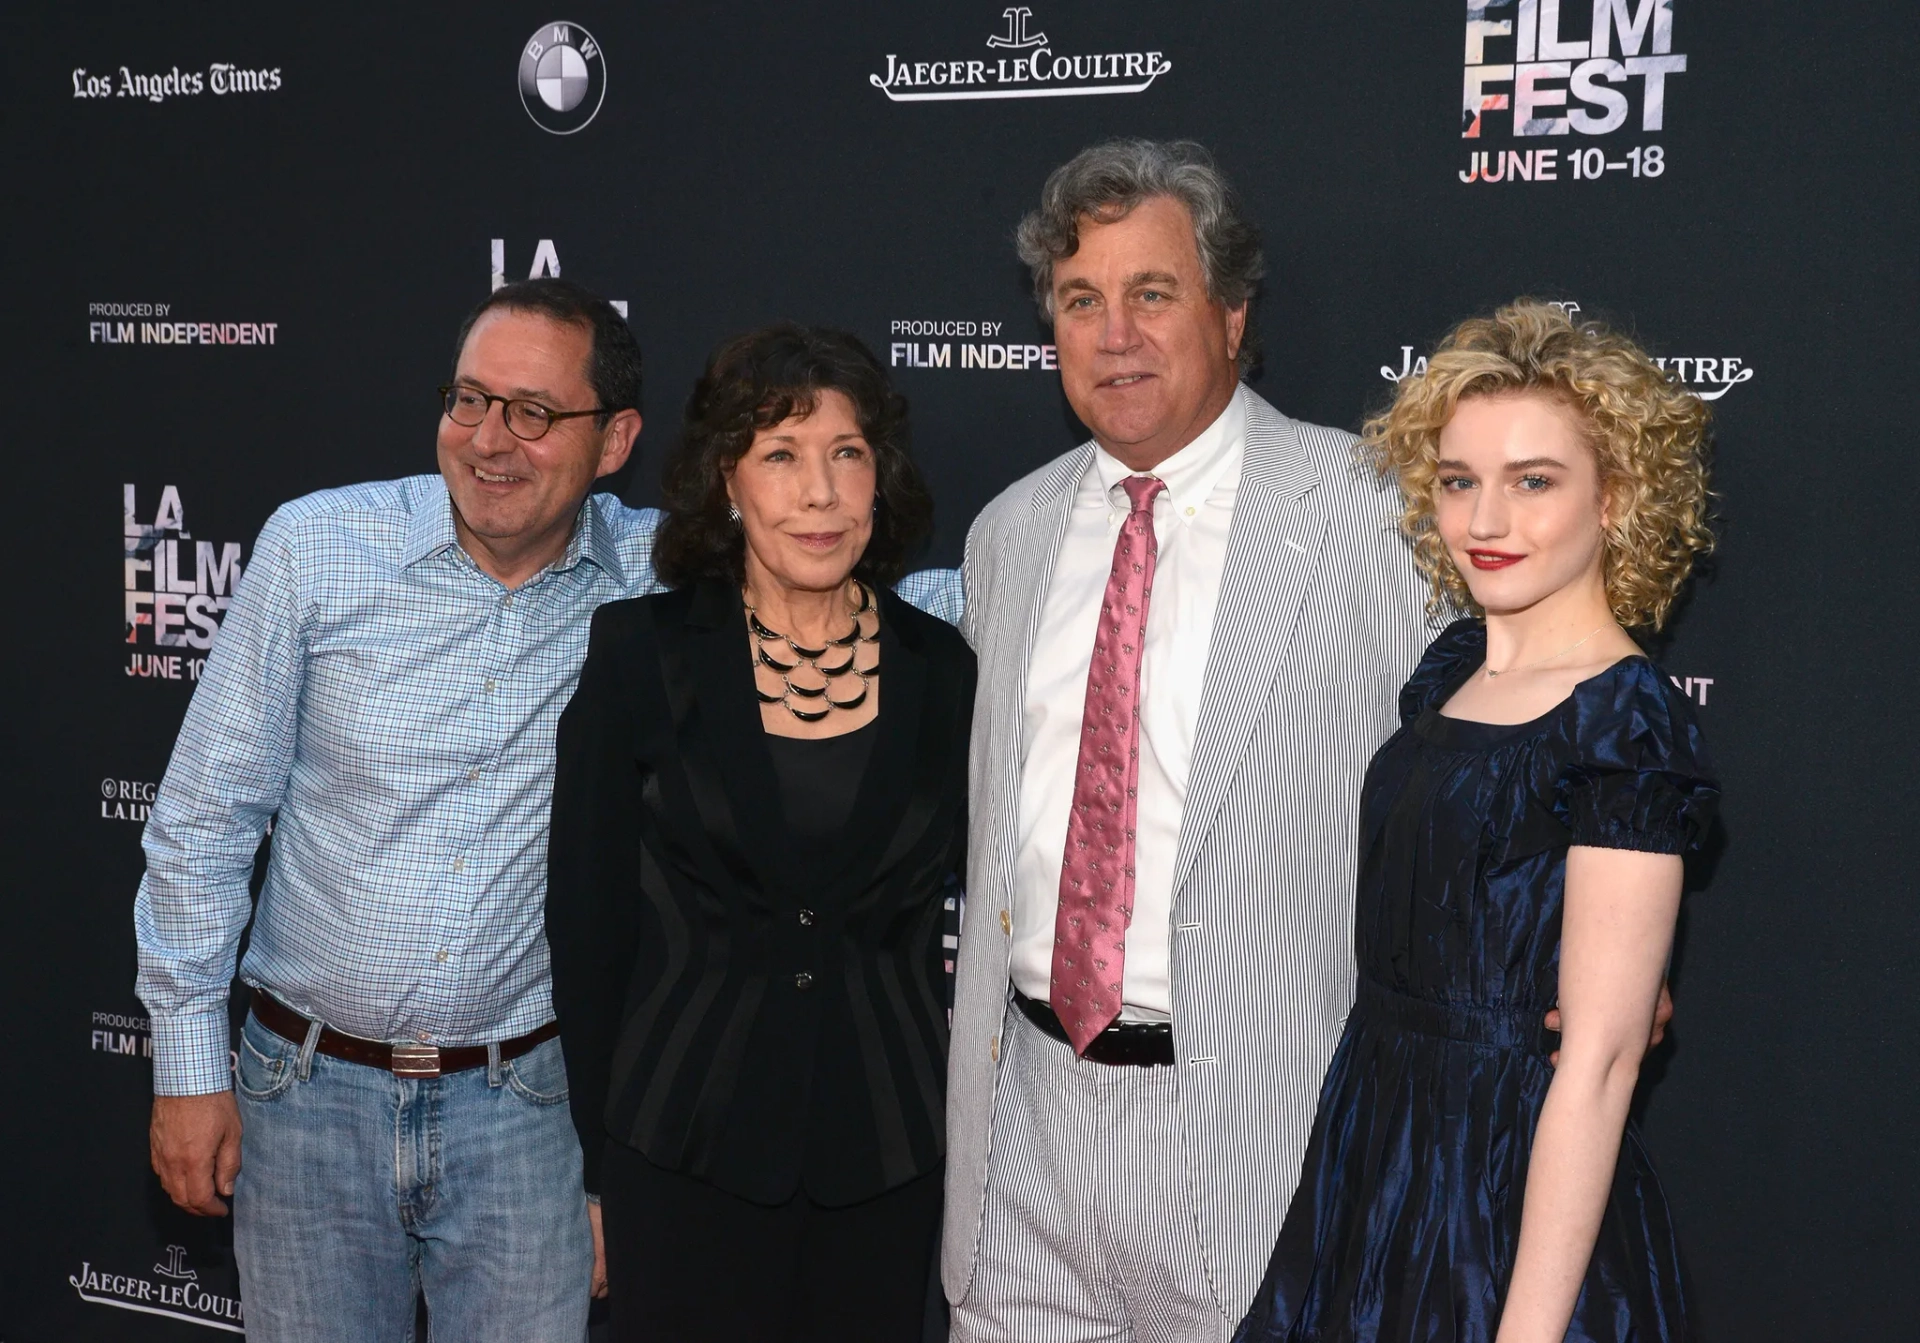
pixel 803 980
pixel 1006 923
pixel 459 865
pixel 490 685
pixel 423 1037
pixel 508 599
pixel 440 956
pixel 473 775
pixel 806 918
pixel 1189 512
pixel 993 1049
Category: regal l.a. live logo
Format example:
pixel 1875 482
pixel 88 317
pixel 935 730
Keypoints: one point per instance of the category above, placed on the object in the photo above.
pixel 1591 68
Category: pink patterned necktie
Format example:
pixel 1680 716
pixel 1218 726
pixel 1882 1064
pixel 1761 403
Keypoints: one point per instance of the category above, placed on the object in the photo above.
pixel 1096 878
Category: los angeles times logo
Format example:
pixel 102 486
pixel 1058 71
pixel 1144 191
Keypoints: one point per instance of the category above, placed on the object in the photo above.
pixel 563 77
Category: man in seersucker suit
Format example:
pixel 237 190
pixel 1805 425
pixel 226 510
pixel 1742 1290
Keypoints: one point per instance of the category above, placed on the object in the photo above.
pixel 1192 632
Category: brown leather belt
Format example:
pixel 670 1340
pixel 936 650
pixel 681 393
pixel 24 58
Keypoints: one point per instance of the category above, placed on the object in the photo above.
pixel 402 1060
pixel 1137 1044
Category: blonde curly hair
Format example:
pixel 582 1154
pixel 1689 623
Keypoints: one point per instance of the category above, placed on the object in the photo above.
pixel 1648 433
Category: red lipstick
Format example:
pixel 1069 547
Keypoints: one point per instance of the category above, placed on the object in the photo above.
pixel 1493 559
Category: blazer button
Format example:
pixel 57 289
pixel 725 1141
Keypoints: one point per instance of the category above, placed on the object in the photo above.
pixel 1006 923
pixel 806 918
pixel 994 1049
pixel 803 980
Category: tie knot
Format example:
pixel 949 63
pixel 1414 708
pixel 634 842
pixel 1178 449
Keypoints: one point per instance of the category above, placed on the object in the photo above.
pixel 1141 490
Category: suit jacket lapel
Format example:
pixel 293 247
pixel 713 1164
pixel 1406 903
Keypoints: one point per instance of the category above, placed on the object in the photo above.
pixel 1273 552
pixel 900 791
pixel 723 750
pixel 1023 572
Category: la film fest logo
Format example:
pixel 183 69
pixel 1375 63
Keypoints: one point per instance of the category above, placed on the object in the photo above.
pixel 986 354
pixel 546 261
pixel 177 588
pixel 170 1288
pixel 1534 69
pixel 1708 377
pixel 563 77
pixel 220 79
pixel 1021 63
pixel 156 324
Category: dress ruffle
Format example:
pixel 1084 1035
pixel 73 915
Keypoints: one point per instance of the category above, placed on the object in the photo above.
pixel 1455 651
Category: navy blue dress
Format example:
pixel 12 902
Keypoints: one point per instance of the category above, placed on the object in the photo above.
pixel 1408 1211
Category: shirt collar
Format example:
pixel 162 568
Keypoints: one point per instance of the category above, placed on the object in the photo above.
pixel 594 540
pixel 430 527
pixel 431 532
pixel 1191 473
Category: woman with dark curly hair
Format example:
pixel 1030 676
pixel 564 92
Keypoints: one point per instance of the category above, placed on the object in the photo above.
pixel 760 800
pixel 1520 849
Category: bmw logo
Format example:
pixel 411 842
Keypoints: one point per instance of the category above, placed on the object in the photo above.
pixel 562 77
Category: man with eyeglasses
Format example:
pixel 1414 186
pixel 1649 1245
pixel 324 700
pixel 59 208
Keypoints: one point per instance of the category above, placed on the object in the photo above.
pixel 385 690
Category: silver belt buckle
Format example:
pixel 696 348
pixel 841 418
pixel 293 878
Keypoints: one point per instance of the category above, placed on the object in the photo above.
pixel 416 1061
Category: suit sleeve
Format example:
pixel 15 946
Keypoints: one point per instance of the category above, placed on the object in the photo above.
pixel 593 890
pixel 973 583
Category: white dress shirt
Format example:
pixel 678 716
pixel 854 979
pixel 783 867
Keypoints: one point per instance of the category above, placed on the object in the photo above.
pixel 1191 518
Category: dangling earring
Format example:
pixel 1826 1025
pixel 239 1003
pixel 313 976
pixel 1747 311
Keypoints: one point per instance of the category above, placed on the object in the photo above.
pixel 733 514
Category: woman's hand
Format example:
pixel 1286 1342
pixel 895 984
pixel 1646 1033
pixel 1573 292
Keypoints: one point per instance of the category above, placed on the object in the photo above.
pixel 599 1287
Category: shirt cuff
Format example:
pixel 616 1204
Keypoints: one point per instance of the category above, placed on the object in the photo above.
pixel 192 1056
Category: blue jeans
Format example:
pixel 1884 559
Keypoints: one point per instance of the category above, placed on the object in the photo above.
pixel 358 1188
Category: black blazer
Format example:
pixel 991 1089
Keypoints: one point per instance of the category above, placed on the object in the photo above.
pixel 707 1021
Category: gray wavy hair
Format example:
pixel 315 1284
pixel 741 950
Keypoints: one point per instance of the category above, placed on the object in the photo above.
pixel 1106 181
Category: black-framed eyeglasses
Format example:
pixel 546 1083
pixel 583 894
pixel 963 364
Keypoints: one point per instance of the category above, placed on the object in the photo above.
pixel 529 420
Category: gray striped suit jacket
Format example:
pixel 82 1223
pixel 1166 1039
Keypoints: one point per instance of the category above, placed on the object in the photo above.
pixel 1320 621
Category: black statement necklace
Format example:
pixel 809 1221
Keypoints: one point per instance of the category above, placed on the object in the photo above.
pixel 866 629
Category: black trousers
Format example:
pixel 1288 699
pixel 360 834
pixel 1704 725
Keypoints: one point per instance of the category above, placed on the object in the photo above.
pixel 688 1263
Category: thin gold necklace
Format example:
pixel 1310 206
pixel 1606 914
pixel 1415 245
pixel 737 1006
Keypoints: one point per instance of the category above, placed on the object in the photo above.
pixel 1491 673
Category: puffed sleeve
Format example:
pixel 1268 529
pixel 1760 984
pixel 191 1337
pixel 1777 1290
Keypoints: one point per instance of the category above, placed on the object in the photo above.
pixel 1638 775
pixel 1458 649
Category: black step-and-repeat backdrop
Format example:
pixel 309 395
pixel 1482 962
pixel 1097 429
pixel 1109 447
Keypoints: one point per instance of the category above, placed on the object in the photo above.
pixel 240 241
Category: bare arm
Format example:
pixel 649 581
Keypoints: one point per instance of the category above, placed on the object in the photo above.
pixel 1620 910
pixel 1662 1018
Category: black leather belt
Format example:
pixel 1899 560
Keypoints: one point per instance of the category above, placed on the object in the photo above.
pixel 1135 1044
pixel 402 1060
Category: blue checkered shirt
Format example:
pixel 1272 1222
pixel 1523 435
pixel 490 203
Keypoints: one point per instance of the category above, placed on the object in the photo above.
pixel 391 709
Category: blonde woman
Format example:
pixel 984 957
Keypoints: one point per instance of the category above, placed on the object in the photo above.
pixel 1520 849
